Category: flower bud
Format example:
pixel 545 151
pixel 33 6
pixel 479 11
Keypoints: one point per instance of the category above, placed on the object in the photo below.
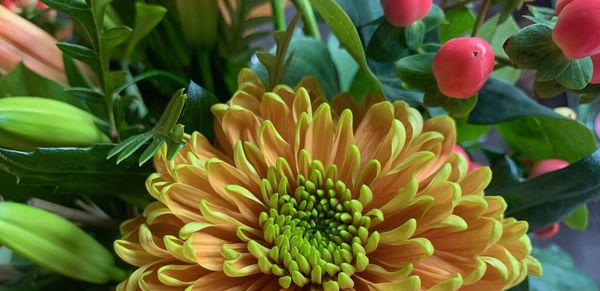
pixel 30 122
pixel 546 166
pixel 55 243
pixel 462 66
pixel 549 232
pixel 404 12
pixel 577 32
pixel 23 42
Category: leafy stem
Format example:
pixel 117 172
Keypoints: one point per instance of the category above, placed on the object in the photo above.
pixel 278 7
pixel 310 22
pixel 483 9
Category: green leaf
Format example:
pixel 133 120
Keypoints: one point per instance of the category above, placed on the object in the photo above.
pixel 81 12
pixel 361 13
pixel 74 75
pixel 55 243
pixel 166 129
pixel 577 75
pixel 387 44
pixel 434 18
pixel 500 102
pixel 560 273
pixel 415 34
pixel 552 67
pixel 312 58
pixel 147 17
pixel 547 89
pixel 62 171
pixel 83 54
pixel 460 21
pixel 509 7
pixel 541 137
pixel 530 46
pixel 467 133
pixel 578 219
pixel 341 25
pixel 416 71
pixel 110 39
pixel 549 198
pixel 345 64
pixel 460 107
pixel 98 8
pixel 196 114
pixel 21 81
pixel 278 63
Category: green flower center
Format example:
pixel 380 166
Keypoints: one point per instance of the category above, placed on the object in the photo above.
pixel 316 235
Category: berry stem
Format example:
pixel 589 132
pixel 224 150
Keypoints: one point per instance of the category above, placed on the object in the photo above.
pixel 483 9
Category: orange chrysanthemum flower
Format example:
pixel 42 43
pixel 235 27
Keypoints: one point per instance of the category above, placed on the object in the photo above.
pixel 301 195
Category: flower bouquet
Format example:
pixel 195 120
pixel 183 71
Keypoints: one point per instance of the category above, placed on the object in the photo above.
pixel 298 145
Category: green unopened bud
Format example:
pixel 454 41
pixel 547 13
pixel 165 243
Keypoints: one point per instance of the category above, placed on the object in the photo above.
pixel 199 21
pixel 55 243
pixel 30 122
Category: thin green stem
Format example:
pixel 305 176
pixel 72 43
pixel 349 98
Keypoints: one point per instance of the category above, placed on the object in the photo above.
pixel 310 22
pixel 483 9
pixel 454 5
pixel 503 62
pixel 207 77
pixel 278 7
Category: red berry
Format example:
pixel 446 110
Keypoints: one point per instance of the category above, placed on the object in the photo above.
pixel 462 66
pixel 549 232
pixel 404 12
pixel 560 4
pixel 577 32
pixel 546 166
pixel 596 75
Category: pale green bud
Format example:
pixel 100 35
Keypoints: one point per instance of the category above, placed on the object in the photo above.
pixel 55 243
pixel 30 122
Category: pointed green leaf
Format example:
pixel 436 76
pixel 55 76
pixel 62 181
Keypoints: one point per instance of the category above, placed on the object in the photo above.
pixel 196 115
pixel 416 71
pixel 577 75
pixel 62 171
pixel 549 198
pixel 578 219
pixel 147 17
pixel 560 273
pixel 387 44
pixel 341 25
pixel 110 39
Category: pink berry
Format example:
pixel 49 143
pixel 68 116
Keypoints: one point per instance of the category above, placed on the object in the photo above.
pixel 404 12
pixel 546 166
pixel 596 75
pixel 577 32
pixel 549 232
pixel 560 4
pixel 462 66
